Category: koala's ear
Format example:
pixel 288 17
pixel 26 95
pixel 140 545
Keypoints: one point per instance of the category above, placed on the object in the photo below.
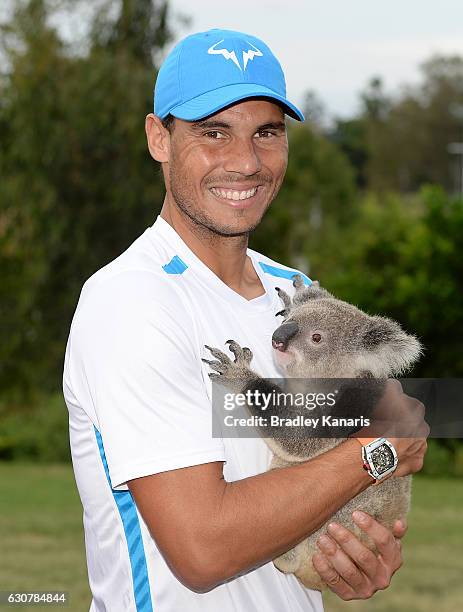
pixel 391 344
pixel 305 293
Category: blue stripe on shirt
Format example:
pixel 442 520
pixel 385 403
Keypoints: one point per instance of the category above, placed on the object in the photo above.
pixel 129 516
pixel 283 272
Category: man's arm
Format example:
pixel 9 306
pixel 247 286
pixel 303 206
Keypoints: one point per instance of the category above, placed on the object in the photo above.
pixel 211 531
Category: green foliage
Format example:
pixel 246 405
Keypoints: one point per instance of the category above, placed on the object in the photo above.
pixel 443 458
pixel 318 194
pixel 38 432
pixel 77 181
pixel 423 123
pixel 400 144
pixel 78 185
pixel 402 258
pixel 351 137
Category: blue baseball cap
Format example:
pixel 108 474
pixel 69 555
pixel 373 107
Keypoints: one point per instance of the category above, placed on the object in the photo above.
pixel 208 71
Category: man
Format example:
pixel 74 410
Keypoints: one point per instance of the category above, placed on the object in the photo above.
pixel 176 520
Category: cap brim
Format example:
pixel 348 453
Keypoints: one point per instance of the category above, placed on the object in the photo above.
pixel 213 101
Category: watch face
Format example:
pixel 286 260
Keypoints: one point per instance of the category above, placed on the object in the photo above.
pixel 382 458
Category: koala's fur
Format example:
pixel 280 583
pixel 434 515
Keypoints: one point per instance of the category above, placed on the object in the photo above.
pixel 353 345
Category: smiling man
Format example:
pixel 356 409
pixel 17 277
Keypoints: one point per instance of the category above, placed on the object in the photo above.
pixel 176 520
pixel 203 166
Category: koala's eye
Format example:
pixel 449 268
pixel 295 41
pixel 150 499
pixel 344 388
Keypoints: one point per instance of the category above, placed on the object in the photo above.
pixel 316 338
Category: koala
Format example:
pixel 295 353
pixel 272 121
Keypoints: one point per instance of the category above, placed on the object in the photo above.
pixel 322 337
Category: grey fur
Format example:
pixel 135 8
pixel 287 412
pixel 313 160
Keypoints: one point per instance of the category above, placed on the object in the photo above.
pixel 353 344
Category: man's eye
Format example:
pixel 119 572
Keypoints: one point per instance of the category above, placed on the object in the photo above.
pixel 214 134
pixel 265 134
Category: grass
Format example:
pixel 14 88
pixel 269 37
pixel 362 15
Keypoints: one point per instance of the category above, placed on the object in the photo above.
pixel 431 577
pixel 42 544
pixel 41 534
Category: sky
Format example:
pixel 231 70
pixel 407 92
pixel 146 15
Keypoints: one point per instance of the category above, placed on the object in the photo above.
pixel 333 46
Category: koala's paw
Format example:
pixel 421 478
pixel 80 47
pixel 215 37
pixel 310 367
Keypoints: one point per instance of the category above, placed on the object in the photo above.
pixel 234 374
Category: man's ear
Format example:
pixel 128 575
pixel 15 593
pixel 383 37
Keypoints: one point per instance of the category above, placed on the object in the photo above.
pixel 158 138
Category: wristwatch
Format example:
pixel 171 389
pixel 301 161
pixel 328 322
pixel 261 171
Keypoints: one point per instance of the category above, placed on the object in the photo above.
pixel 379 457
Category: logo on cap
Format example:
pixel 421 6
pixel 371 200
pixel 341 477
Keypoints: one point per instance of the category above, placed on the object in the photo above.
pixel 248 55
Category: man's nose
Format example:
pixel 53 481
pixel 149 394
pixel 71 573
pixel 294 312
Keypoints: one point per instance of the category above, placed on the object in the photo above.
pixel 283 334
pixel 243 157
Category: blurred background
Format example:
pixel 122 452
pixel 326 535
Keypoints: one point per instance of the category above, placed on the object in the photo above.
pixel 372 206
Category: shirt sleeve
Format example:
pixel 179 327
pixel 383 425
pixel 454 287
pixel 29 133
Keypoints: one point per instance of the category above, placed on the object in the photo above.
pixel 134 344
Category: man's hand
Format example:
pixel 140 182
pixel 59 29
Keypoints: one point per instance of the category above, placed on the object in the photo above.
pixel 349 568
pixel 400 418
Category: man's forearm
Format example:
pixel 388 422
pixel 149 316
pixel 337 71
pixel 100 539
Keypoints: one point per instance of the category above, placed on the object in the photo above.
pixel 258 518
pixel 210 530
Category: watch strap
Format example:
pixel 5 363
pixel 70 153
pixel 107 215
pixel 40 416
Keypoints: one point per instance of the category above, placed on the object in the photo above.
pixel 366 467
pixel 365 441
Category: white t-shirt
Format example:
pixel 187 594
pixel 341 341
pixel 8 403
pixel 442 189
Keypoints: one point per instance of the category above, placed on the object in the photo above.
pixel 139 400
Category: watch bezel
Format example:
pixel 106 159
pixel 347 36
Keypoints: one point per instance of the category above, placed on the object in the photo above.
pixel 367 451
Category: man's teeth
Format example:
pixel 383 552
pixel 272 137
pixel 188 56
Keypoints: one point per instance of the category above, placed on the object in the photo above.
pixel 234 195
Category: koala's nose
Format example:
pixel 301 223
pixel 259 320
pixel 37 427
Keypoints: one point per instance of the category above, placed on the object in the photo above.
pixel 283 334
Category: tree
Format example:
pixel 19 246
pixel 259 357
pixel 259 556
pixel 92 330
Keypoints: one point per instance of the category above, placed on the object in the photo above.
pixel 402 258
pixel 402 143
pixel 77 181
pixel 314 111
pixel 413 150
pixel 317 197
pixel 358 136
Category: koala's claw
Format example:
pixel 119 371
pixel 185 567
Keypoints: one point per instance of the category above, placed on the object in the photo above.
pixel 243 354
pixel 247 355
pixel 218 354
pixel 235 349
pixel 218 366
pixel 228 372
pixel 213 376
